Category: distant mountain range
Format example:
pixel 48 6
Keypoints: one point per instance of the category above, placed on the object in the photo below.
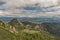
pixel 28 30
pixel 39 19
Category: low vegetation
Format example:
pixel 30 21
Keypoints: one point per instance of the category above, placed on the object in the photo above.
pixel 16 30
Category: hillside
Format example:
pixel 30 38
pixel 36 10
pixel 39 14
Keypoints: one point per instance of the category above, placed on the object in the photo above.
pixel 16 30
pixel 6 35
pixel 16 24
pixel 53 27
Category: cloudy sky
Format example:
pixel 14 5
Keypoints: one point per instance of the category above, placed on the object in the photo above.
pixel 29 8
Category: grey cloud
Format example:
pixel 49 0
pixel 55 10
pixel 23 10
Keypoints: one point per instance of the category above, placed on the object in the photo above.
pixel 2 3
pixel 23 7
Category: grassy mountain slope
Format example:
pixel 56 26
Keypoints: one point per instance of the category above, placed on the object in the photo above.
pixel 36 35
pixel 17 24
pixel 27 31
pixel 53 28
pixel 6 35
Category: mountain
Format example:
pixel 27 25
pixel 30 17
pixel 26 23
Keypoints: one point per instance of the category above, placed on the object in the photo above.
pixel 53 28
pixel 38 29
pixel 16 23
pixel 29 30
pixel 50 26
pixel 2 24
pixel 6 35
pixel 38 19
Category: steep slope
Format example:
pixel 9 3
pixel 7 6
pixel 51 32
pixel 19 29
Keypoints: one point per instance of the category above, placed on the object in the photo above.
pixel 15 21
pixel 2 24
pixel 6 35
pixel 29 30
pixel 34 35
pixel 33 26
pixel 17 24
pixel 6 26
pixel 53 28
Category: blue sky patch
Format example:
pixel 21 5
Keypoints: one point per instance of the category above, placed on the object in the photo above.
pixel 1 3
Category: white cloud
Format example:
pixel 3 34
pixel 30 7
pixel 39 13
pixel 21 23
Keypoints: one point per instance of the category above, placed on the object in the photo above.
pixel 10 8
pixel 25 2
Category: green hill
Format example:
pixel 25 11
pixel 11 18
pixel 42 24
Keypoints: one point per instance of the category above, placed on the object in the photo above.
pixel 6 35
pixel 17 24
pixel 28 30
pixel 34 35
